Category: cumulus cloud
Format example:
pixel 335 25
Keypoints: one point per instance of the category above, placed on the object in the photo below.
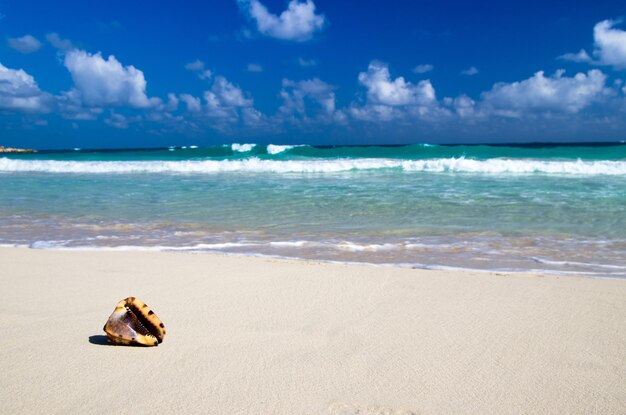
pixel 296 95
pixel 59 43
pixel 224 98
pixel 463 105
pixel 298 23
pixel 609 47
pixel 172 102
pixel 20 93
pixel 388 99
pixel 158 105
pixel 471 71
pixel 424 68
pixel 225 105
pixel 24 44
pixel 581 56
pixel 192 103
pixel 381 89
pixel 610 44
pixel 103 83
pixel 198 67
pixel 556 93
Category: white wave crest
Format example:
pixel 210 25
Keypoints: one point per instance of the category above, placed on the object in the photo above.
pixel 242 148
pixel 275 149
pixel 253 164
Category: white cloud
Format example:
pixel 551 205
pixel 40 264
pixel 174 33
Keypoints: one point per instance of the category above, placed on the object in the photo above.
pixel 581 56
pixel 193 104
pixel 464 106
pixel 298 23
pixel 253 118
pixel 381 89
pixel 424 68
pixel 471 71
pixel 198 67
pixel 610 44
pixel 224 98
pixel 388 99
pixel 107 82
pixel 59 43
pixel 224 102
pixel 24 44
pixel 225 105
pixel 609 47
pixel 172 102
pixel 19 92
pixel 295 96
pixel 157 105
pixel 255 67
pixel 555 93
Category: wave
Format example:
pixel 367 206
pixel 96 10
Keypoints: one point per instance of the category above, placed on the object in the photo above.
pixel 242 148
pixel 256 165
pixel 276 149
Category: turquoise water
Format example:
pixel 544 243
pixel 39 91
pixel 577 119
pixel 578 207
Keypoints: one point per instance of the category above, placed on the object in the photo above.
pixel 560 209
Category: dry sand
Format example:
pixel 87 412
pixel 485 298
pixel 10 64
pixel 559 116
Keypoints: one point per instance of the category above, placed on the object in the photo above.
pixel 260 336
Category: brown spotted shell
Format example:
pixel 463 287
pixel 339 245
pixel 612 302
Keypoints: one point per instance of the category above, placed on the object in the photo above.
pixel 134 323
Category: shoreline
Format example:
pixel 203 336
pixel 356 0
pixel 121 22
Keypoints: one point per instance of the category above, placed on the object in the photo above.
pixel 399 265
pixel 249 335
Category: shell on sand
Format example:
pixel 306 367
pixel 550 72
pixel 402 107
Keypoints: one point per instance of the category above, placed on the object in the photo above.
pixel 134 323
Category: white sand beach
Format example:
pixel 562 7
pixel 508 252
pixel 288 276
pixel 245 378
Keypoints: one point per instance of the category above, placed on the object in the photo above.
pixel 252 335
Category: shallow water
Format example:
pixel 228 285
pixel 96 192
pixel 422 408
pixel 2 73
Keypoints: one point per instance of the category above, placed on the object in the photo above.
pixel 557 209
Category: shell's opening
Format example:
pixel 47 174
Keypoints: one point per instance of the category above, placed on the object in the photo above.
pixel 147 324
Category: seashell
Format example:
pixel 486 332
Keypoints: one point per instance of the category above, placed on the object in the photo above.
pixel 133 323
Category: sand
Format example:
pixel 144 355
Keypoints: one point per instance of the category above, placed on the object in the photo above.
pixel 261 336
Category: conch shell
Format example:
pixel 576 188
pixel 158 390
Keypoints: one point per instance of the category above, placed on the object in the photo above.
pixel 133 323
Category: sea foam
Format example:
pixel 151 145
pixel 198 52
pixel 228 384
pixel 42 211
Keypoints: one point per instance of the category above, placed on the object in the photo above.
pixel 242 148
pixel 275 149
pixel 256 165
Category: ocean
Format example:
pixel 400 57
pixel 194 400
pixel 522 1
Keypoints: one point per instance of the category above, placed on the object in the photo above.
pixel 559 209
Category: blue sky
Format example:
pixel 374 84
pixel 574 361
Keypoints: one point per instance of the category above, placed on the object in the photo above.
pixel 119 74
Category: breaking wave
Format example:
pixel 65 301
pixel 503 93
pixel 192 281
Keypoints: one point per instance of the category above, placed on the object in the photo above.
pixel 276 149
pixel 257 165
pixel 242 148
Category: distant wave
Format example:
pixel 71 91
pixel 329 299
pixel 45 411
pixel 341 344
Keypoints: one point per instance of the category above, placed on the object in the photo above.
pixel 242 148
pixel 275 149
pixel 269 149
pixel 253 164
